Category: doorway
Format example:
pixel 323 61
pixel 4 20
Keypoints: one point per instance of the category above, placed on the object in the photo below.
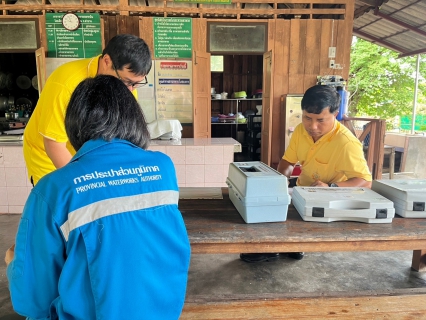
pixel 237 93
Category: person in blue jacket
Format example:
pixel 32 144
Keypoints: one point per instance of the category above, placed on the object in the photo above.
pixel 102 237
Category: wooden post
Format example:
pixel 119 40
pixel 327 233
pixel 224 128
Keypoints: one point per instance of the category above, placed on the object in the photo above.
pixel 419 260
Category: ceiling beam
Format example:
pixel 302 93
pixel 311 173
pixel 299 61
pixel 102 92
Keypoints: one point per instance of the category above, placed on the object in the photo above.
pixel 361 10
pixel 412 53
pixel 373 39
pixel 371 3
pixel 400 23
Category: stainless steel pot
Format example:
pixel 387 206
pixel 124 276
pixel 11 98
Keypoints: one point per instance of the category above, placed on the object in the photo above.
pixel 11 115
pixel 11 101
pixel 3 103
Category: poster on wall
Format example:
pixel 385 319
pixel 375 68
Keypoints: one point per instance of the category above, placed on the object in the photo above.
pixel 173 86
pixel 72 35
pixel 146 97
pixel 172 38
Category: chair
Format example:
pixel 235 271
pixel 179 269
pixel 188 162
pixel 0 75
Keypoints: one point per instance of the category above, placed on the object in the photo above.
pixel 374 132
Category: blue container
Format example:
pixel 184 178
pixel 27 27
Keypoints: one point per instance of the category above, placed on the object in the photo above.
pixel 343 108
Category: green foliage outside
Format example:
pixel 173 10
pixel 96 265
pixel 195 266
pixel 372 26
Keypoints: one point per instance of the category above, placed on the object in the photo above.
pixel 382 85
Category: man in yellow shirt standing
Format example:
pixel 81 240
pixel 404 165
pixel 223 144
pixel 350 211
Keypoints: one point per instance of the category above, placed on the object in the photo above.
pixel 46 145
pixel 330 155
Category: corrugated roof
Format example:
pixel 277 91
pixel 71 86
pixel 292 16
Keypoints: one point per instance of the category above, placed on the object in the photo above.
pixel 399 25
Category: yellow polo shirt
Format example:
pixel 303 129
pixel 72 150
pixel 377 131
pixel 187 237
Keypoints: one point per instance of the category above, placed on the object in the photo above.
pixel 336 156
pixel 48 117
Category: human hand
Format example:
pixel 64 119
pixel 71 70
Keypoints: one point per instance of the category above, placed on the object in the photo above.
pixel 319 183
pixel 10 253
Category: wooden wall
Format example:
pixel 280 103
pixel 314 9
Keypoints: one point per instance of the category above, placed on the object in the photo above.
pixel 300 49
pixel 114 25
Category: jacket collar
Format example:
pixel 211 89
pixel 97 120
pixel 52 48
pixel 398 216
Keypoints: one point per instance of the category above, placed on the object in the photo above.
pixel 91 145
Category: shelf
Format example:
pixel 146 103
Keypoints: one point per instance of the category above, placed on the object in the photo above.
pixel 240 124
pixel 240 99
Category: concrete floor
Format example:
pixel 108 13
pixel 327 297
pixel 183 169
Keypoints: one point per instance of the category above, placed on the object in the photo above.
pixel 227 274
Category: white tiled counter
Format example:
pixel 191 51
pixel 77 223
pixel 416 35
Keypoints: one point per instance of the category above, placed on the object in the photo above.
pixel 14 184
pixel 199 162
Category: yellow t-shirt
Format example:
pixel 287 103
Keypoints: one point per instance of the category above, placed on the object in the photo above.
pixel 48 117
pixel 336 156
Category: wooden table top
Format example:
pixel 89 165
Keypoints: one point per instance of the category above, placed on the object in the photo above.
pixel 215 226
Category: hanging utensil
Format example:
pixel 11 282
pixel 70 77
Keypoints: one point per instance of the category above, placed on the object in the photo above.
pixel 9 81
pixel 11 101
pixel 23 82
pixel 34 82
pixel 3 103
pixel 3 77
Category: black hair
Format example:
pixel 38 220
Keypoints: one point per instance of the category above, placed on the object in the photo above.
pixel 103 107
pixel 319 97
pixel 132 52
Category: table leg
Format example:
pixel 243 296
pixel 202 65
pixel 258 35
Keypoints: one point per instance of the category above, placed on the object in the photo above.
pixel 419 260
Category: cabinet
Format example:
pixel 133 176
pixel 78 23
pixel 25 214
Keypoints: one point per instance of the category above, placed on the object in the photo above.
pixel 230 128
pixel 254 136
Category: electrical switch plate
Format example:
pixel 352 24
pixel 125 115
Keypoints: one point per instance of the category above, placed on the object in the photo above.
pixel 332 52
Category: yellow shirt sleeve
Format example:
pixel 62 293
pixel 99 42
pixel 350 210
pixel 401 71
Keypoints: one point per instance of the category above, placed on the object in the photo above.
pixel 353 163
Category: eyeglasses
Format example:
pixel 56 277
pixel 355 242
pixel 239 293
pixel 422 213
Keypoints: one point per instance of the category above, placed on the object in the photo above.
pixel 129 83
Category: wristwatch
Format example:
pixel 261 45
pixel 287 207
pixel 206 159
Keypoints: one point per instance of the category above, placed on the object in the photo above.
pixel 333 185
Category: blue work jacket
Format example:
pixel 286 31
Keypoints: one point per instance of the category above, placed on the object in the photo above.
pixel 102 238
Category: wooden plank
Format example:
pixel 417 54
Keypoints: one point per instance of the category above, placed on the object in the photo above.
pixel 122 24
pixel 346 44
pixel 206 247
pixel 296 55
pixel 344 39
pixel 105 24
pixel 42 28
pixel 280 85
pixel 326 30
pixel 123 4
pixel 313 49
pixel 400 304
pixel 112 27
pixel 134 25
pixel 199 34
pixel 146 32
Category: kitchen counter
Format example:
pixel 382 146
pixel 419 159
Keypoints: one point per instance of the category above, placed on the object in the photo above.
pixel 11 140
pixel 11 132
pixel 200 162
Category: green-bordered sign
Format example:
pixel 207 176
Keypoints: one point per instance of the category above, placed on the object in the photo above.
pixel 84 42
pixel 206 1
pixel 172 37
pixel 407 122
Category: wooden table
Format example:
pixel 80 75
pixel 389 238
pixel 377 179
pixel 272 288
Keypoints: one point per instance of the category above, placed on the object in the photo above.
pixel 215 226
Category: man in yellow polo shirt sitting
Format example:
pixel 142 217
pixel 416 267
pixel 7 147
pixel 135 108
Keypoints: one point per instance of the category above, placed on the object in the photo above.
pixel 46 145
pixel 330 155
